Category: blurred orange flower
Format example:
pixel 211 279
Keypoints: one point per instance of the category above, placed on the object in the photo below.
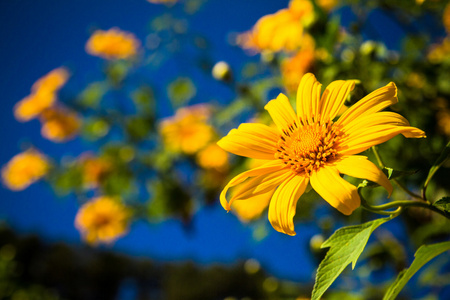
pixel 113 44
pixel 293 68
pixel 59 124
pixel 102 220
pixel 94 168
pixel 327 5
pixel 281 31
pixel 213 157
pixel 446 18
pixel 24 169
pixel 439 52
pixel 188 130
pixel 43 95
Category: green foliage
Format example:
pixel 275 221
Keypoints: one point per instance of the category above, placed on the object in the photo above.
pixel 346 245
pixel 444 205
pixel 180 91
pixel 422 256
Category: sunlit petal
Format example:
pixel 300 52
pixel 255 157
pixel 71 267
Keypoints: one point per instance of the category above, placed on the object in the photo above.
pixel 361 167
pixel 334 97
pixel 336 191
pixel 251 140
pixel 267 168
pixel 308 96
pixel 281 111
pixel 372 103
pixel 284 202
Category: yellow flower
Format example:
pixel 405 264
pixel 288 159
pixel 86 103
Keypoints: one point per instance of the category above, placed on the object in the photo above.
pixel 102 220
pixel 59 124
pixel 113 44
pixel 43 95
pixel 24 169
pixel 309 147
pixel 439 52
pixel 293 68
pixel 213 157
pixel 187 131
pixel 281 31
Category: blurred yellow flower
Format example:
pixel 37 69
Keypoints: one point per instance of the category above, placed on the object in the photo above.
pixel 327 5
pixel 43 95
pixel 439 52
pixel 102 220
pixel 113 44
pixel 213 157
pixel 188 130
pixel 94 168
pixel 446 18
pixel 59 124
pixel 52 82
pixel 293 68
pixel 24 169
pixel 281 31
pixel 309 148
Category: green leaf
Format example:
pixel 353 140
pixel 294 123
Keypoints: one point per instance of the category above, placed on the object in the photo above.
pixel 92 94
pixel 346 245
pixel 392 174
pixel 439 162
pixel 422 256
pixel 443 204
pixel 180 91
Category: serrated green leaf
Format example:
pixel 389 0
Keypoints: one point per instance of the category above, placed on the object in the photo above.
pixel 439 162
pixel 346 245
pixel 422 256
pixel 443 204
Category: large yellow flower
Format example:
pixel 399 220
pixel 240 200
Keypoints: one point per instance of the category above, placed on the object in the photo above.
pixel 102 220
pixel 308 147
pixel 24 169
pixel 113 44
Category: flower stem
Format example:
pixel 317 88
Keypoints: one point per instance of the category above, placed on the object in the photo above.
pixel 402 186
pixel 381 209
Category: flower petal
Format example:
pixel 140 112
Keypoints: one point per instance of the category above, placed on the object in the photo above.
pixel 253 207
pixel 251 140
pixel 284 202
pixel 269 167
pixel 360 124
pixel 334 97
pixel 282 113
pixel 371 136
pixel 308 96
pixel 360 167
pixel 336 191
pixel 372 103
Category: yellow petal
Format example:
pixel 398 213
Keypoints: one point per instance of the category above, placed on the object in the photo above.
pixel 284 203
pixel 251 140
pixel 336 191
pixel 269 167
pixel 360 167
pixel 308 96
pixel 372 103
pixel 334 97
pixel 282 113
pixel 359 125
pixel 252 208
pixel 371 136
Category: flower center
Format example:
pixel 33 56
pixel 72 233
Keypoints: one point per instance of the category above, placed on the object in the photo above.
pixel 309 145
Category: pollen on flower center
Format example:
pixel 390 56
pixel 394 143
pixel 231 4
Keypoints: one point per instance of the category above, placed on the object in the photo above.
pixel 309 145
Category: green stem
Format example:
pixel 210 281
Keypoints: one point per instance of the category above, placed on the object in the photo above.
pixel 403 187
pixel 402 204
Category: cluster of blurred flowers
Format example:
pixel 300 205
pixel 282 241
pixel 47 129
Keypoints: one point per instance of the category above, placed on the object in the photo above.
pixel 176 159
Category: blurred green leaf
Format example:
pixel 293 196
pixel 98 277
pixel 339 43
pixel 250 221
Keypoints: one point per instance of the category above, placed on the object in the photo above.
pixel 439 162
pixel 180 91
pixel 444 205
pixel 144 99
pixel 422 256
pixel 138 128
pixel 95 128
pixel 346 245
pixel 92 94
